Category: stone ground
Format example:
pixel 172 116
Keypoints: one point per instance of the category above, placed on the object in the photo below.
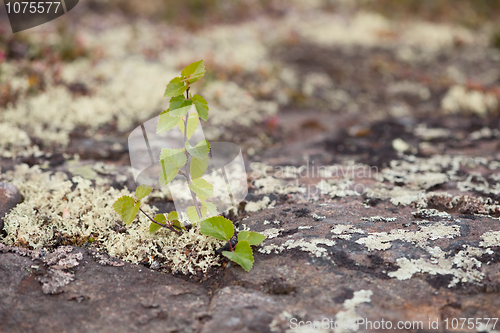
pixel 372 155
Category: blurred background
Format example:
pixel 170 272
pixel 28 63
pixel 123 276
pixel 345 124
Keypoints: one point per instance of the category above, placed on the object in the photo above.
pixel 349 76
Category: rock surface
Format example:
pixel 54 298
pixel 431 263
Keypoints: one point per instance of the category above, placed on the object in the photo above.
pixel 417 240
pixel 320 272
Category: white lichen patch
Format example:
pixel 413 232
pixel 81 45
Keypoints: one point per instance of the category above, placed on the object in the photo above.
pixel 463 266
pixel 53 206
pixel 349 314
pixel 459 99
pixel 427 134
pixel 337 187
pixel 409 88
pixel 396 195
pixel 419 175
pixel 383 240
pixel 476 182
pixel 310 246
pixel 490 239
pixel 400 145
pixel 484 133
pixel 316 217
pixel 271 233
pixel 345 231
pixel 305 227
pixel 426 213
pixel 268 185
pixel 255 206
pixel 379 219
pixel 266 222
pixel 228 102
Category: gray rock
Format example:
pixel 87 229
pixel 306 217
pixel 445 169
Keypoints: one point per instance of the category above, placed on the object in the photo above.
pixel 9 198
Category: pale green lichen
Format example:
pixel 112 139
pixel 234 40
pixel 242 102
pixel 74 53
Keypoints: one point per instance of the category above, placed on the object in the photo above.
pixel 348 314
pixel 271 233
pixel 255 206
pixel 426 213
pixel 490 238
pixel 379 219
pixel 345 231
pixel 400 145
pixel 459 99
pixel 383 240
pixel 305 245
pixel 463 266
pixel 53 206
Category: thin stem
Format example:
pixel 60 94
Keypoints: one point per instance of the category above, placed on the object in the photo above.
pixel 230 246
pixel 188 162
pixel 160 224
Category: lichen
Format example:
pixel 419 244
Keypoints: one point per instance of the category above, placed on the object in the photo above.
pixel 345 231
pixel 490 238
pixel 459 99
pixel 305 245
pixel 383 240
pixel 255 206
pixel 349 315
pixel 56 207
pixel 463 266
pixel 379 219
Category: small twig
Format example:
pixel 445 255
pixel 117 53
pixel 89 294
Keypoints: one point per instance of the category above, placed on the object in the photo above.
pixel 160 224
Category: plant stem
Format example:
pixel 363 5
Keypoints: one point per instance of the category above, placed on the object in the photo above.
pixel 186 174
pixel 160 224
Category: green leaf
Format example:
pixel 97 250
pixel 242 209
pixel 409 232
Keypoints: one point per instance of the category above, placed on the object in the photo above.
pixel 218 227
pixel 210 207
pixel 252 237
pixel 172 160
pixel 200 150
pixel 179 106
pixel 175 87
pixel 193 122
pixel 202 188
pixel 142 191
pixel 153 227
pixel 193 72
pixel 167 121
pixel 179 225
pixel 127 208
pixel 201 106
pixel 192 214
pixel 242 255
pixel 172 216
pixel 170 152
pixel 198 167
pixel 121 203
pixel 160 218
